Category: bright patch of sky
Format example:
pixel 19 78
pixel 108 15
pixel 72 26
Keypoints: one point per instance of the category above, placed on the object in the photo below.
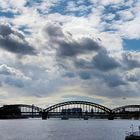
pixel 114 10
pixel 77 8
pixel 131 44
pixel 7 14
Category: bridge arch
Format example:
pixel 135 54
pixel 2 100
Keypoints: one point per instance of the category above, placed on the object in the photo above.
pixel 127 108
pixel 101 107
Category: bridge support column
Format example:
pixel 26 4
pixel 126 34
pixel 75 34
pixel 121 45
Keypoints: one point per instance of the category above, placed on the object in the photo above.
pixel 111 116
pixel 44 115
pixel 32 111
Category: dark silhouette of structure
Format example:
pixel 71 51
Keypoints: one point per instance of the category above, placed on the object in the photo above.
pixel 127 112
pixel 77 109
pixel 19 111
pixel 71 109
pixel 7 112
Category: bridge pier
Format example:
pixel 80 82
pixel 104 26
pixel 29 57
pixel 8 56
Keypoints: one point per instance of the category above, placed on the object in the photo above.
pixel 111 116
pixel 44 115
pixel 32 111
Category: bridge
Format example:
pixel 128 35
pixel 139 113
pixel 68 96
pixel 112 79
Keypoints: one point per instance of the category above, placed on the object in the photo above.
pixel 127 112
pixel 20 111
pixel 77 109
pixel 70 109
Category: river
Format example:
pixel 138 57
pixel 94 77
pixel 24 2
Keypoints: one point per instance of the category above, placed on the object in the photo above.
pixel 73 129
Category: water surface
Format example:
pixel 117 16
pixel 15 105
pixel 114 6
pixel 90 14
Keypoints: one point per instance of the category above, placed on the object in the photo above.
pixel 73 129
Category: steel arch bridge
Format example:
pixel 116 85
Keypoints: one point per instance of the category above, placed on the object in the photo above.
pixel 20 111
pixel 127 112
pixel 72 109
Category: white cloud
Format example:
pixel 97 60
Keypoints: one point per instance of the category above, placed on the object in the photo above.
pixel 51 76
pixel 108 2
pixel 10 71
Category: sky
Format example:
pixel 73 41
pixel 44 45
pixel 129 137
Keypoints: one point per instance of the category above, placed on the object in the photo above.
pixel 60 50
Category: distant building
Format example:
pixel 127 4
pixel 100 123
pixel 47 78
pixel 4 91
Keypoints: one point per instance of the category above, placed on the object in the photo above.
pixel 9 112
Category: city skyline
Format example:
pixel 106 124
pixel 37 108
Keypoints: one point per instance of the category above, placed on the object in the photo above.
pixel 58 50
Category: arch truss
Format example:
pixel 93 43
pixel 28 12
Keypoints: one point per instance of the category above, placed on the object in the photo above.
pixel 76 109
pixel 127 108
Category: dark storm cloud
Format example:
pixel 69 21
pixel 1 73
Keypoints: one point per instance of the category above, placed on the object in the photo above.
pixel 65 45
pixel 76 47
pixel 98 66
pixel 5 30
pixel 114 80
pixel 14 41
pixel 104 62
pixel 85 75
pixel 69 74
pixel 54 31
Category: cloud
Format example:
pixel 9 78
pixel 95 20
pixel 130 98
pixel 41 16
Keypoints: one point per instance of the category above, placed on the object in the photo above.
pixel 6 70
pixel 74 48
pixel 65 45
pixel 78 45
pixel 132 77
pixel 110 2
pixel 14 82
pixel 84 75
pixel 69 74
pixel 104 62
pixel 5 30
pixel 12 76
pixel 114 80
pixel 131 60
pixel 53 31
pixel 83 64
pixel 14 41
